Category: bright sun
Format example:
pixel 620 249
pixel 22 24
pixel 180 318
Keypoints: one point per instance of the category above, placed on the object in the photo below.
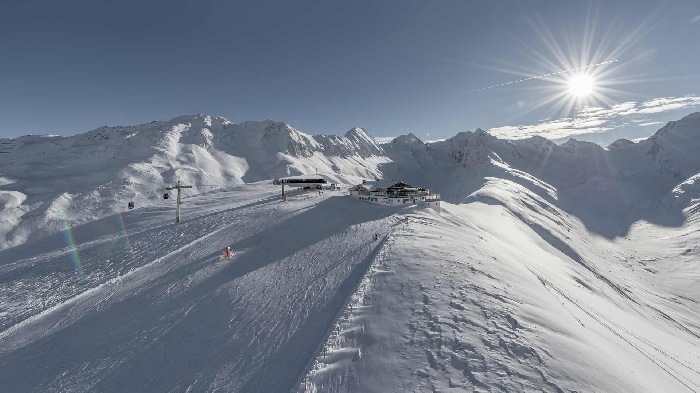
pixel 581 85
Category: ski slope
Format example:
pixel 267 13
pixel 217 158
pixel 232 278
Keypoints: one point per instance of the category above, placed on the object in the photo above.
pixel 160 312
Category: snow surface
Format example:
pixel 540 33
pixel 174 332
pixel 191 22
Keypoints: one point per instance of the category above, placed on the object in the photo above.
pixel 551 267
pixel 506 297
pixel 160 312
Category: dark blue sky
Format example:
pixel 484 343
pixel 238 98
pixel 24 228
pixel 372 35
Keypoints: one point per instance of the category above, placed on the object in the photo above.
pixel 391 67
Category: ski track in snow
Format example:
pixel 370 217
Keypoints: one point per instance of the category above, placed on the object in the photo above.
pixel 236 315
pixel 49 279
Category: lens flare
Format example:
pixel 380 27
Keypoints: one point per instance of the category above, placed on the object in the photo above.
pixel 126 234
pixel 565 71
pixel 68 235
pixel 543 76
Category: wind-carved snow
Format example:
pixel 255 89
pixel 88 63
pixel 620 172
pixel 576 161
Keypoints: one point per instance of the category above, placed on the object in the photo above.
pixel 13 210
pixel 686 196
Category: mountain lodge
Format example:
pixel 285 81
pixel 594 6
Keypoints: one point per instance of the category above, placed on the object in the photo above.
pixel 397 194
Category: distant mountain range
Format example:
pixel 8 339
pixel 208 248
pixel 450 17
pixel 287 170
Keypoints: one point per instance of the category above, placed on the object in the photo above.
pixel 45 180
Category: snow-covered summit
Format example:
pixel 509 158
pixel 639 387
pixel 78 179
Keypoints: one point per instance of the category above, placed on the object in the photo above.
pixel 408 139
pixel 357 133
pixel 620 143
pixel 355 142
pixel 676 146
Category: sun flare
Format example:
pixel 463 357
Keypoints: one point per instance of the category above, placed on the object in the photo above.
pixel 581 85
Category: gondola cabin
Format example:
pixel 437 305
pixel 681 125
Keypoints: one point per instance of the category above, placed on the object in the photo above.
pixel 166 196
pixel 131 205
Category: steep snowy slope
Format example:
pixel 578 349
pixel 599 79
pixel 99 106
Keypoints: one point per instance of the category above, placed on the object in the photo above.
pixel 513 294
pixel 685 196
pixel 517 290
pixel 46 179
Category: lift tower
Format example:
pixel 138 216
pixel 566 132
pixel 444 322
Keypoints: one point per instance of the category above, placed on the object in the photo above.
pixel 178 187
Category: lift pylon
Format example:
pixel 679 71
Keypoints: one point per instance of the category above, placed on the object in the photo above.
pixel 178 187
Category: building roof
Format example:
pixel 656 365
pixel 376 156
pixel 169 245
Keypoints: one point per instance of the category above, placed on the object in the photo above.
pixel 303 177
pixel 402 185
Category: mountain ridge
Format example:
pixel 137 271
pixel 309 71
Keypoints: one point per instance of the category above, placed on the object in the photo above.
pixel 95 173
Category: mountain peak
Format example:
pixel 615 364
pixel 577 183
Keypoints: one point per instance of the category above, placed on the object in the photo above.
pixel 363 142
pixel 358 133
pixel 620 143
pixel 408 139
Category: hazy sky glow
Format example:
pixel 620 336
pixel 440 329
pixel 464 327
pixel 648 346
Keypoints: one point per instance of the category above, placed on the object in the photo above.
pixel 631 118
pixel 392 67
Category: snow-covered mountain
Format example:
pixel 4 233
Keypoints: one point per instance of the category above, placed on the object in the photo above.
pixel 607 188
pixel 567 267
pixel 45 179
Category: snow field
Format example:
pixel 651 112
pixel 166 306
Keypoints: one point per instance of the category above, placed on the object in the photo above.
pixel 514 295
pixel 178 318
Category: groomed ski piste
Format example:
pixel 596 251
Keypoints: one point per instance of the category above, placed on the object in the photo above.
pixel 506 293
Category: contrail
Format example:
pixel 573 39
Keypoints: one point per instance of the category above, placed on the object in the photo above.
pixel 542 76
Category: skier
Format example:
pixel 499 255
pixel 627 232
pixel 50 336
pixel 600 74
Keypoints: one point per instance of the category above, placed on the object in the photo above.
pixel 227 253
